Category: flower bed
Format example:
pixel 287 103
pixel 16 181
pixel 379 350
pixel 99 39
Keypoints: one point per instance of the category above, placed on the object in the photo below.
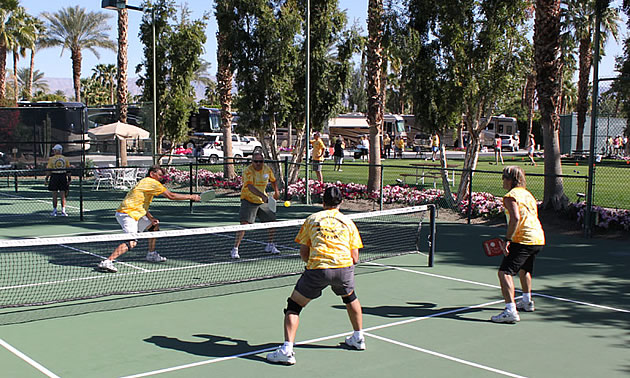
pixel 606 218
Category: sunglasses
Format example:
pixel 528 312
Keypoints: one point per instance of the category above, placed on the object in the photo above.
pixel 258 161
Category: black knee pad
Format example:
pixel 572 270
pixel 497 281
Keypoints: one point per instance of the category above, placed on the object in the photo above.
pixel 293 307
pixel 350 298
pixel 128 243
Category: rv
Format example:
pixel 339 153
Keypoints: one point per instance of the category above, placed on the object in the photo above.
pixel 353 125
pixel 506 127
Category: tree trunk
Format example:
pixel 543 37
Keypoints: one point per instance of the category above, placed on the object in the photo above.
pixel 15 79
pixel 448 196
pixel 29 83
pixel 375 91
pixel 470 164
pixel 586 58
pixel 270 149
pixel 548 86
pixel 297 156
pixel 76 73
pixel 121 76
pixel 3 71
pixel 224 83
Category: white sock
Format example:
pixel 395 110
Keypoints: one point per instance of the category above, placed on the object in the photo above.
pixel 511 307
pixel 527 297
pixel 287 347
pixel 358 334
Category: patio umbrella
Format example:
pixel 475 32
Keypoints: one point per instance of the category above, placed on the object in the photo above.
pixel 118 130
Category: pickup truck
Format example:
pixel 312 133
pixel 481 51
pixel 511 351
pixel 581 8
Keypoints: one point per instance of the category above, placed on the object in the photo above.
pixel 248 145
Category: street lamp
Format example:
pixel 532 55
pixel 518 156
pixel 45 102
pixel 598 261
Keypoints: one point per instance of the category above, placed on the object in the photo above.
pixel 122 4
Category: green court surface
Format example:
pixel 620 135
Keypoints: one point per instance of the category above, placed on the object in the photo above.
pixel 419 321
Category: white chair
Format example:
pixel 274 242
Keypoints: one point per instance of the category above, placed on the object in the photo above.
pixel 103 176
pixel 141 173
pixel 125 178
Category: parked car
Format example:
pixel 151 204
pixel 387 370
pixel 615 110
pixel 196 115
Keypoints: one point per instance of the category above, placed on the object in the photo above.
pixel 212 154
pixel 509 142
pixel 247 145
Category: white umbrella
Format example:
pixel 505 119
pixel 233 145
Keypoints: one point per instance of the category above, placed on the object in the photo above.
pixel 118 130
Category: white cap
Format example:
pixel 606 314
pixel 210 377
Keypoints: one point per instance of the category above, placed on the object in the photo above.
pixel 57 147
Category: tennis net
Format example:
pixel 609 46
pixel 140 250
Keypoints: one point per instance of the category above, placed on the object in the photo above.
pixel 52 270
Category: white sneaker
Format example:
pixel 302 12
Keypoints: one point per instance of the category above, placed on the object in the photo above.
pixel 279 357
pixel 525 306
pixel 108 266
pixel 155 257
pixel 54 213
pixel 63 213
pixel 271 248
pixel 234 253
pixel 355 343
pixel 506 317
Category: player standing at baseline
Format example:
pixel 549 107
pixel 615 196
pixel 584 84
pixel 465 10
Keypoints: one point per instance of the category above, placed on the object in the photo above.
pixel 329 244
pixel 525 239
pixel 58 180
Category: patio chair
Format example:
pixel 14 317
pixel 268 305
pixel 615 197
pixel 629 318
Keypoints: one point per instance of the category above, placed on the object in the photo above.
pixel 103 176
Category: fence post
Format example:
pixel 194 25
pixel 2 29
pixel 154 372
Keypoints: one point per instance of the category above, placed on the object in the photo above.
pixel 190 182
pixel 286 178
pixel 15 182
pixel 83 171
pixel 432 235
pixel 470 192
pixel 381 191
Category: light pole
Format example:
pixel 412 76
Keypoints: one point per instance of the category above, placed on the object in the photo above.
pixel 122 4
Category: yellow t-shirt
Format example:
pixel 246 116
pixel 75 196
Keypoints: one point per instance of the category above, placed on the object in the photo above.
pixel 259 179
pixel 318 149
pixel 400 143
pixel 528 230
pixel 330 236
pixel 435 141
pixel 386 141
pixel 58 162
pixel 137 201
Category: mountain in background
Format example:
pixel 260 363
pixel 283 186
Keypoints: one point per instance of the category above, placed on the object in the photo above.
pixel 66 86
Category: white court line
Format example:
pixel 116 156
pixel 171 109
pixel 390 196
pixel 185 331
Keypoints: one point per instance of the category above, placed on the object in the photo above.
pixel 339 335
pixel 28 360
pixel 498 287
pixel 442 355
pixel 37 200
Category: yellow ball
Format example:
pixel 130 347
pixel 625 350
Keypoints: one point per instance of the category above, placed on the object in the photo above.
pixel 287 203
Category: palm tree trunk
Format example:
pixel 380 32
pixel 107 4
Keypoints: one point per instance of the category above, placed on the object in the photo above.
pixel 121 89
pixel 224 82
pixel 586 58
pixel 76 73
pixel 549 86
pixel 31 69
pixel 374 91
pixel 3 71
pixel 15 79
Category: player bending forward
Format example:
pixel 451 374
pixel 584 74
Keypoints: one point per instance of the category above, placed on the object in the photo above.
pixel 329 244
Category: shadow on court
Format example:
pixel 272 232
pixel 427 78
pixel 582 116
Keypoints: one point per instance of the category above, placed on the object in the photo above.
pixel 418 310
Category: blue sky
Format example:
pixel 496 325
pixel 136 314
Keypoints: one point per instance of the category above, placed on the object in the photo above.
pixel 55 65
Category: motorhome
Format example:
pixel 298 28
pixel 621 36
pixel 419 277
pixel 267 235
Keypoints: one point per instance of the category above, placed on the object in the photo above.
pixel 506 127
pixel 353 125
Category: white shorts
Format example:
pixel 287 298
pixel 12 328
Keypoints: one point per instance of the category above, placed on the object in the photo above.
pixel 130 225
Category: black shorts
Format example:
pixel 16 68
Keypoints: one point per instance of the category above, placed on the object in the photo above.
pixel 313 281
pixel 58 182
pixel 521 256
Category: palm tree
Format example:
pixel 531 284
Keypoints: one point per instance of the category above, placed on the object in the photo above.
pixel 104 74
pixel 374 89
pixel 22 37
pixel 75 29
pixel 122 60
pixel 548 65
pixel 34 78
pixel 580 15
pixel 39 31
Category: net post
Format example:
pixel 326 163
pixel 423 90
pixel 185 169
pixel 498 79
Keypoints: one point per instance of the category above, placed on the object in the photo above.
pixel 15 182
pixel 432 234
pixel 81 192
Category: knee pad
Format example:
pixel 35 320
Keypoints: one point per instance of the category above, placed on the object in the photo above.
pixel 350 298
pixel 129 244
pixel 293 307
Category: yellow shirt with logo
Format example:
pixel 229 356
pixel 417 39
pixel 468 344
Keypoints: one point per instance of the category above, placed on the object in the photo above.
pixel 259 179
pixel 58 162
pixel 137 201
pixel 528 230
pixel 318 149
pixel 330 236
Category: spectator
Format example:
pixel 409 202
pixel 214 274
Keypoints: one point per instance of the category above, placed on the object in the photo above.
pixel 338 153
pixel 387 145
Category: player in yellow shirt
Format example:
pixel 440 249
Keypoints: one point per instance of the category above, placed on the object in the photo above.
pixel 525 239
pixel 58 180
pixel 255 202
pixel 329 244
pixel 435 145
pixel 318 155
pixel 133 215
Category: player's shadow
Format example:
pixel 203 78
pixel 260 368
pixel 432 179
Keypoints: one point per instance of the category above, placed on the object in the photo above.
pixel 419 310
pixel 223 346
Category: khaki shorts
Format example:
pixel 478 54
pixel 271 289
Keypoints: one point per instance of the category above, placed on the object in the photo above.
pixel 317 165
pixel 249 211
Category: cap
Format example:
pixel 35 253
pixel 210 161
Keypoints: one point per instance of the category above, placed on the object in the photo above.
pixel 57 147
